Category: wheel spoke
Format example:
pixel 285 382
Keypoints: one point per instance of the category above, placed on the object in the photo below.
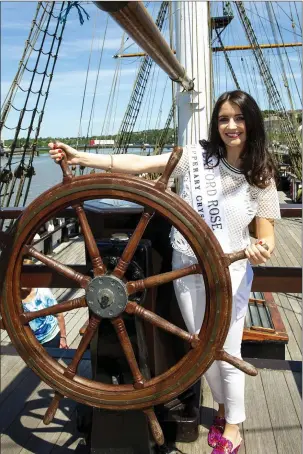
pixel 234 256
pixel 244 366
pixel 239 255
pixel 67 173
pixel 66 306
pixel 87 337
pixel 172 162
pixel 131 246
pixel 53 407
pixel 142 284
pixel 134 308
pixel 98 265
pixel 72 368
pixel 128 351
pixel 154 426
pixel 57 266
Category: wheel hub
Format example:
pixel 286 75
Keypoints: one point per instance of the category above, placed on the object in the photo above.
pixel 106 296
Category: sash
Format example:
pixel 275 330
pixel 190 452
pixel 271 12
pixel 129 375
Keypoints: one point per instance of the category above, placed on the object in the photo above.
pixel 207 195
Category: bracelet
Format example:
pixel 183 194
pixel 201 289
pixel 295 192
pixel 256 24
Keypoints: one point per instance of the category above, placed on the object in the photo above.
pixel 62 337
pixel 111 163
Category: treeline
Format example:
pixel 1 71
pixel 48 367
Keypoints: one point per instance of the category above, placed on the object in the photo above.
pixel 150 136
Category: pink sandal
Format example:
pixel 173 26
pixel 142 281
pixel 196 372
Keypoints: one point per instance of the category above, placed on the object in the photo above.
pixel 225 446
pixel 216 431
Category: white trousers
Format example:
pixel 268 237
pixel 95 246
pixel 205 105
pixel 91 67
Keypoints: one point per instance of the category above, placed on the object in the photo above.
pixel 225 381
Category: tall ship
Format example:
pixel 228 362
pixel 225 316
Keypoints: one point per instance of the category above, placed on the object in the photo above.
pixel 130 381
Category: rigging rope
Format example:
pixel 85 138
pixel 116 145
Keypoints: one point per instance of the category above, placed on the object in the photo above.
pixel 7 103
pixel 111 98
pixel 282 64
pixel 133 108
pixel 293 25
pixel 86 79
pixel 228 61
pixel 95 88
pixel 25 171
pixel 286 123
pixel 264 18
pixel 63 15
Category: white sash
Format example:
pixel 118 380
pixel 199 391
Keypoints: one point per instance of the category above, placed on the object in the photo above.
pixel 207 196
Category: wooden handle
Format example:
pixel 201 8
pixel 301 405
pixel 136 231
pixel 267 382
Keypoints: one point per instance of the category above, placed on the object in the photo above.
pixel 67 173
pixel 172 162
pixel 51 411
pixel 154 426
pixel 240 255
pixel 247 368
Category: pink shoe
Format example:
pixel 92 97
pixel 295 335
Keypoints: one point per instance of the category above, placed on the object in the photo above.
pixel 225 446
pixel 216 431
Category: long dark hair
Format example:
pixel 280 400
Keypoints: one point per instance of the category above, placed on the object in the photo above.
pixel 257 163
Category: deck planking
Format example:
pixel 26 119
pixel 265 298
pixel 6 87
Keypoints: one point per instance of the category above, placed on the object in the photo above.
pixel 273 415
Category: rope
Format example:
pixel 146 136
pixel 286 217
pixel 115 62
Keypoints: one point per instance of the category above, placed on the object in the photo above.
pixel 85 84
pixel 286 54
pixel 25 168
pixel 63 15
pixel 96 85
pixel 262 17
pixel 113 96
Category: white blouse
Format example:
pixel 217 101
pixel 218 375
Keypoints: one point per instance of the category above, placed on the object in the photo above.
pixel 242 202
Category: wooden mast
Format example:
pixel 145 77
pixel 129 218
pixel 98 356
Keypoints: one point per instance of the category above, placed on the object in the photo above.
pixel 134 18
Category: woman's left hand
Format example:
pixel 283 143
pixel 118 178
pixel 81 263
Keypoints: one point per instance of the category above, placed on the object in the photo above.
pixel 63 343
pixel 257 254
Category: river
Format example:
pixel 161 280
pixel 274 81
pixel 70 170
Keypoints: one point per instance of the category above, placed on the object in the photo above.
pixel 48 173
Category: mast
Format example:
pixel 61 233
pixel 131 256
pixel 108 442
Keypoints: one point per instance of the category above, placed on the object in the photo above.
pixel 193 54
pixel 137 22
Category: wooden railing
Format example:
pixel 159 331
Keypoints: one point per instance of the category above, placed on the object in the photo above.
pixel 266 279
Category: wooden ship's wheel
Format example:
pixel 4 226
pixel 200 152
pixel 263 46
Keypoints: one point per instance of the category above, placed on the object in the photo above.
pixel 107 294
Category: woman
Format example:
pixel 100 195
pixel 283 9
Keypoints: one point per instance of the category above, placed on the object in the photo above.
pixel 238 184
pixel 49 330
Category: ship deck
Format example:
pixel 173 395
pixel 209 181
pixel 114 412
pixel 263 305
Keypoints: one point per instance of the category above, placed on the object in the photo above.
pixel 273 398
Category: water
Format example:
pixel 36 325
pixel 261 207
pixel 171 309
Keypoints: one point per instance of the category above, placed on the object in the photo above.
pixel 48 173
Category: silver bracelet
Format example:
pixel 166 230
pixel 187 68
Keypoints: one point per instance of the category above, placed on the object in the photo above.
pixel 111 163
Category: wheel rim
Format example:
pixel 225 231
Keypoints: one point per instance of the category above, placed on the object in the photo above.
pixel 216 276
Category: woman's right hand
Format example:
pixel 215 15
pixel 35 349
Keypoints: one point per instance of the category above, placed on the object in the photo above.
pixel 57 150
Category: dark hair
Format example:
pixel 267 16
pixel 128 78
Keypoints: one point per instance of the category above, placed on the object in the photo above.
pixel 258 165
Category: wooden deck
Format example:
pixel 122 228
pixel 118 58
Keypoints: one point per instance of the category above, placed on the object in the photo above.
pixel 273 398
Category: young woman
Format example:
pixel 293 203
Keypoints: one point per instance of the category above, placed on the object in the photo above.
pixel 237 178
pixel 49 330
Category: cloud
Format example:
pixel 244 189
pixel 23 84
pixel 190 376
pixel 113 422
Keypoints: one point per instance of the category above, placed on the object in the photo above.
pixel 11 52
pixel 73 81
pixel 76 79
pixel 72 49
pixel 14 25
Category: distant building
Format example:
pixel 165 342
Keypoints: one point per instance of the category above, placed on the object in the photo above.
pixel 102 142
pixel 272 123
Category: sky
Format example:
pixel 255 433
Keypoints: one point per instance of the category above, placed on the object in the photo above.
pixel 64 103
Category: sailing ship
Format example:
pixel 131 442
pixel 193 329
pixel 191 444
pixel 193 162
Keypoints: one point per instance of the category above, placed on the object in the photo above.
pixel 264 70
pixel 190 69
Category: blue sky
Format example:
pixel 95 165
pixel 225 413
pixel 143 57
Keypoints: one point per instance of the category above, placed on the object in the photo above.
pixel 62 113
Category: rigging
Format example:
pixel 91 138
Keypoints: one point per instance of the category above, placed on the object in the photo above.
pixel 286 123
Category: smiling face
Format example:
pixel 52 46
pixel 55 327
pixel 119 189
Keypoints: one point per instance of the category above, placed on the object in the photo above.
pixel 232 128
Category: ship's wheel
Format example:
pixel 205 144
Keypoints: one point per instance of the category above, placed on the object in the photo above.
pixel 107 294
